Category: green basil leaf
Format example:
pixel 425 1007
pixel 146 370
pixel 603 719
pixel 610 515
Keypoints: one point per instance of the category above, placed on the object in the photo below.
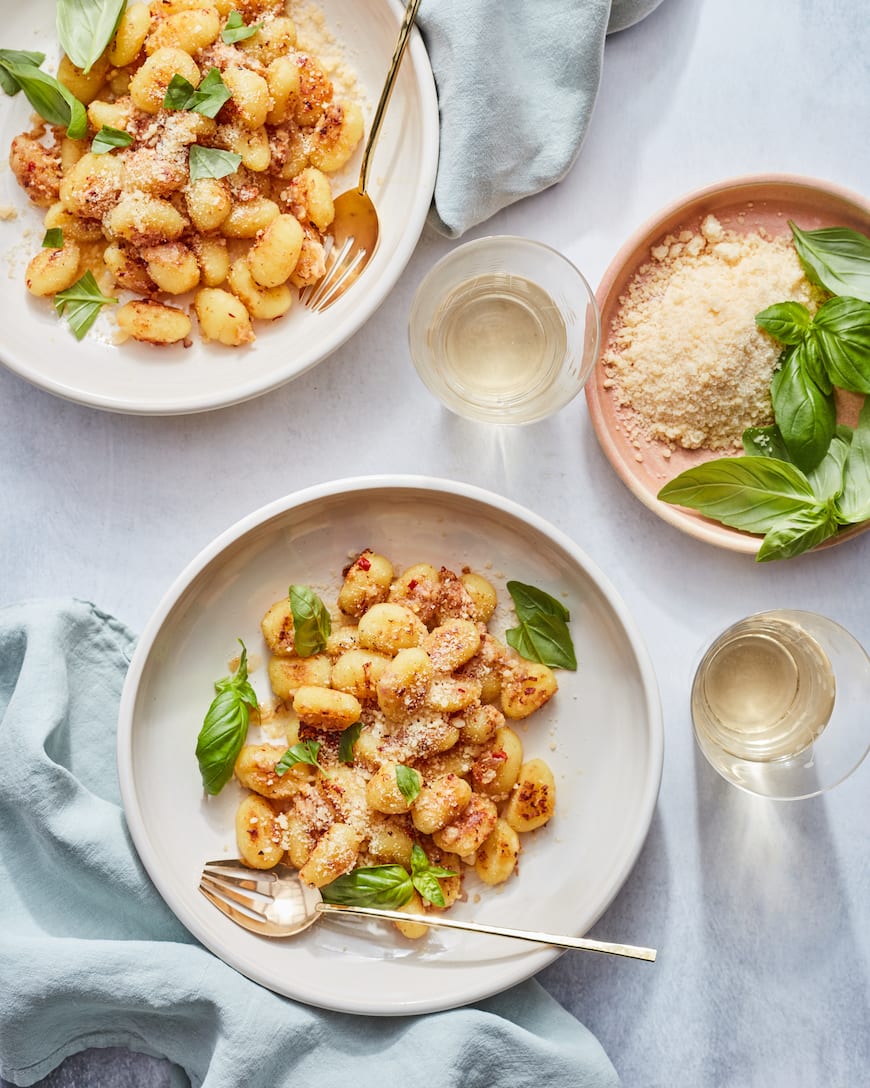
pixel 17 56
pixel 786 321
pixel 50 98
pixel 425 877
pixel 409 782
pixel 235 29
pixel 208 98
pixel 420 863
pixel 542 634
pixel 53 238
pixel 765 442
pixel 85 28
pixel 835 258
pixel 749 493
pixel 371 886
pixel 225 727
pixel 179 93
pixel 81 304
pixel 842 332
pixel 209 162
pixel 805 415
pixel 347 740
pixel 853 505
pixel 826 479
pixel 797 534
pixel 311 622
pixel 306 751
pixel 108 138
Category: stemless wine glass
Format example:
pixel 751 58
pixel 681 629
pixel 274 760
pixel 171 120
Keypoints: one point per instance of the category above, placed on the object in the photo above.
pixel 504 330
pixel 781 704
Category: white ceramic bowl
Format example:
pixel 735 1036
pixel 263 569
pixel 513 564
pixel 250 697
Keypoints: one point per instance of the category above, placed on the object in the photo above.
pixel 602 734
pixel 137 378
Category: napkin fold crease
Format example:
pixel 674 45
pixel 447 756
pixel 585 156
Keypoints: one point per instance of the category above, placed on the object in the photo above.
pixel 91 956
pixel 517 84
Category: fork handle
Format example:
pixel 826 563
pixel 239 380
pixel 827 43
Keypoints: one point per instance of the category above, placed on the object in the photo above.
pixel 583 943
pixel 401 44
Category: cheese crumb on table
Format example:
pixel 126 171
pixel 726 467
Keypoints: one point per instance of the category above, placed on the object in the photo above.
pixel 686 360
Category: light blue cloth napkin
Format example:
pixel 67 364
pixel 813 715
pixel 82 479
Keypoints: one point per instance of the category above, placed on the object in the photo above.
pixel 90 956
pixel 517 82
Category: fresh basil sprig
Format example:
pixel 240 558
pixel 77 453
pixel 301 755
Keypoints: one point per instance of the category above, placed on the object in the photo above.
pixel 542 634
pixel 235 30
pixel 50 98
pixel 835 258
pixel 208 98
pixel 209 162
pixel 804 410
pixel 409 782
pixel 389 886
pixel 225 727
pixel 765 493
pixel 347 740
pixel 306 751
pixel 81 304
pixel 311 622
pixel 108 138
pixel 53 238
pixel 426 878
pixel 85 28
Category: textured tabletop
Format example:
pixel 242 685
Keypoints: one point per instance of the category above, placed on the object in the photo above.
pixel 760 911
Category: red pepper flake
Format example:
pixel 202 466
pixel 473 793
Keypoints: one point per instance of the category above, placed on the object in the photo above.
pixel 364 563
pixel 528 691
pixel 412 585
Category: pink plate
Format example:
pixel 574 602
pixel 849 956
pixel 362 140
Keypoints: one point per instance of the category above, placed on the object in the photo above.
pixel 744 205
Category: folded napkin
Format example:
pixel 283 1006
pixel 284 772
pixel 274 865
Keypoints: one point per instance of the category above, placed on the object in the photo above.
pixel 90 956
pixel 516 82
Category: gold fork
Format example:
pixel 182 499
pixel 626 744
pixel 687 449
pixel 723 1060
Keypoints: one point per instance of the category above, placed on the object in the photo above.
pixel 276 903
pixel 356 228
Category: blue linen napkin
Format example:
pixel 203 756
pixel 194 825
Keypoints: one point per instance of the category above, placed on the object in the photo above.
pixel 90 955
pixel 517 83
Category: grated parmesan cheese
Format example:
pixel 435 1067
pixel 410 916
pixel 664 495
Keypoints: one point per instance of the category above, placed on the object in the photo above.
pixel 686 360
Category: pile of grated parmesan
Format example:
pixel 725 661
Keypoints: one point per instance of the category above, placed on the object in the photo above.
pixel 686 358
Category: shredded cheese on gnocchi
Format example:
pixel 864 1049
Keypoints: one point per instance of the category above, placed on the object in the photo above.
pixel 242 242
pixel 412 660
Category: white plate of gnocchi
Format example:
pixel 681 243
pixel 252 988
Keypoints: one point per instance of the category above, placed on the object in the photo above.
pixel 175 218
pixel 407 728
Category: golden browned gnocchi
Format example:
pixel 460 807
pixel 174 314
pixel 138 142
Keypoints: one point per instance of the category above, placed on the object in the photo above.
pixel 212 137
pixel 390 749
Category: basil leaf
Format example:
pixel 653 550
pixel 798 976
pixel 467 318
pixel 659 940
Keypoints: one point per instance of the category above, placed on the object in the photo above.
pixel 81 304
pixel 826 479
pixel 765 442
pixel 371 886
pixel 50 98
pixel 853 505
pixel 108 138
pixel 53 238
pixel 425 877
pixel 835 258
pixel 543 633
pixel 786 321
pixel 85 28
pixel 306 751
pixel 208 98
pixel 749 493
pixel 798 534
pixel 209 162
pixel 805 415
pixel 18 56
pixel 347 740
pixel 225 727
pixel 409 782
pixel 311 623
pixel 842 332
pixel 235 29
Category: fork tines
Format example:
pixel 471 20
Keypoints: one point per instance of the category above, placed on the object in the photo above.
pixel 340 273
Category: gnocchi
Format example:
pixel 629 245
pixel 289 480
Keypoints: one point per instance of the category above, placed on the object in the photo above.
pixel 397 749
pixel 234 234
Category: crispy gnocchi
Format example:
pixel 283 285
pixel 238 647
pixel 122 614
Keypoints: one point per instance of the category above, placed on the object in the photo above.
pixel 213 206
pixel 403 712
